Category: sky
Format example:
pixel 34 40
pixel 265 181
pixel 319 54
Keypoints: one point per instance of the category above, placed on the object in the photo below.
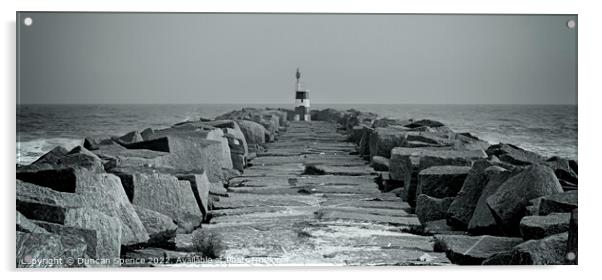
pixel 157 58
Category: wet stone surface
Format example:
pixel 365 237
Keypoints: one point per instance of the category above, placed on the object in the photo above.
pixel 279 215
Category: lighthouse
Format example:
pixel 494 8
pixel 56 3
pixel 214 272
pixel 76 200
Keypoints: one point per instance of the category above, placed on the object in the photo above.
pixel 301 101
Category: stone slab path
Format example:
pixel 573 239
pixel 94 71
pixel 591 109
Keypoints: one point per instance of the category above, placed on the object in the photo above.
pixel 276 215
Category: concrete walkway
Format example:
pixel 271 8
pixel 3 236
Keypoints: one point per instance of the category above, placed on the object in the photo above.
pixel 276 215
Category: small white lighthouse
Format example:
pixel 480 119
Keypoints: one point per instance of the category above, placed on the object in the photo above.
pixel 301 101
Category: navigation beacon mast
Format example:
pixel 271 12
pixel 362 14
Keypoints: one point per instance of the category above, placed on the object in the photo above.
pixel 301 101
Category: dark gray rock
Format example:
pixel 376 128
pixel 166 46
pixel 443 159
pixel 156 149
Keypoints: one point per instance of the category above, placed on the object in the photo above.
pixel 116 155
pixel 383 139
pixel 482 221
pixel 431 208
pixel 472 250
pixel 53 156
pixel 58 171
pixel 547 251
pixel 508 204
pixel 364 144
pixel 425 122
pixel 441 181
pixel 254 133
pixel 406 163
pixel 462 208
pixel 563 170
pixel 67 213
pixel 200 186
pixel 188 152
pixel 94 142
pixel 355 135
pixel 99 191
pixel 380 163
pixel 329 114
pixel 514 155
pixel 130 137
pixel 563 202
pixel 537 227
pixel 192 132
pixel 162 193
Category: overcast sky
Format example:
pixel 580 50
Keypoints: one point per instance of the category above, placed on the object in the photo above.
pixel 252 58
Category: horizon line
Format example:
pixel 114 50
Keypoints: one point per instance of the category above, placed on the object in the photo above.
pixel 264 104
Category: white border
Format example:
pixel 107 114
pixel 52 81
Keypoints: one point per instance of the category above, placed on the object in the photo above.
pixel 589 105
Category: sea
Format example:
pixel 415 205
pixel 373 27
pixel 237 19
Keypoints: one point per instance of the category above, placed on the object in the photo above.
pixel 550 130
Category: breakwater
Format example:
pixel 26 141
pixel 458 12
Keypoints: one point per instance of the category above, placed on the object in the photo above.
pixel 252 187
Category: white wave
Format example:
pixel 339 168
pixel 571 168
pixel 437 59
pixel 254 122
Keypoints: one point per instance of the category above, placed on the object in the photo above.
pixel 29 151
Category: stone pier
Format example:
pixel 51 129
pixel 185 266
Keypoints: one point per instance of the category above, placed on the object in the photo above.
pixel 309 200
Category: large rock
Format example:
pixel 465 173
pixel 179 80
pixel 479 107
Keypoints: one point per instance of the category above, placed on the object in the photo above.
pixel 482 221
pixel 58 170
pixel 67 213
pixel 162 193
pixel 441 181
pixel 407 162
pixel 237 134
pixel 189 152
pixel 514 155
pixel 329 115
pixel 351 118
pixel 355 135
pixel 200 186
pixel 116 155
pixel 364 143
pixel 462 208
pixel 425 122
pixel 94 142
pixel 254 134
pixel 430 139
pixel 473 250
pixel 508 204
pixel 383 139
pixel 160 228
pixel 380 163
pixel 100 191
pixel 548 251
pixel 53 156
pixel 558 203
pixel 431 208
pixel 130 137
pixel 467 141
pixel 566 174
pixel 537 227
pixel 48 250
pixel 192 131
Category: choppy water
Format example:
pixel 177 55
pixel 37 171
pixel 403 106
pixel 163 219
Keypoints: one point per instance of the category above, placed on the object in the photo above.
pixel 546 129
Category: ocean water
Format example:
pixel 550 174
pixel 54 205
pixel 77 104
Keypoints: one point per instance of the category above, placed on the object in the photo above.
pixel 546 129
